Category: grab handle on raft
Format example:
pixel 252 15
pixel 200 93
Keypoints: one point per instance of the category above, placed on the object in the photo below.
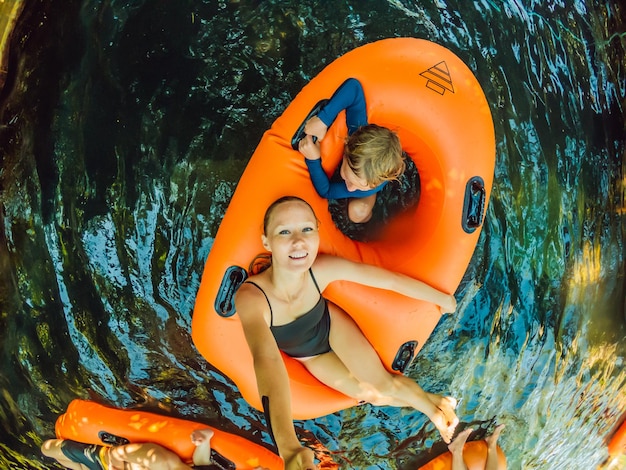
pixel 233 278
pixel 112 439
pixel 300 134
pixel 473 204
pixel 404 356
pixel 221 462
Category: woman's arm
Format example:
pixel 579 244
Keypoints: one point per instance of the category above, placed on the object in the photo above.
pixel 272 378
pixel 329 268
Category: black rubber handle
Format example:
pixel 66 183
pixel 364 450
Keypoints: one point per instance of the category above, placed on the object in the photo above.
pixel 220 462
pixel 474 204
pixel 112 439
pixel 404 356
pixel 300 134
pixel 233 278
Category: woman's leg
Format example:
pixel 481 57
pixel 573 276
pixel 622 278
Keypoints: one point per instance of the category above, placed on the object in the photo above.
pixel 146 456
pixel 456 448
pixel 355 369
pixel 360 209
pixel 492 448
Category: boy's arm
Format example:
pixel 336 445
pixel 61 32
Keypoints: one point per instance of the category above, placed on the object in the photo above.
pixel 348 96
pixel 322 184
pixel 324 187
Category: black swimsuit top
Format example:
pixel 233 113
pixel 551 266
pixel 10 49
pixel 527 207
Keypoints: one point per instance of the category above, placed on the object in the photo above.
pixel 308 334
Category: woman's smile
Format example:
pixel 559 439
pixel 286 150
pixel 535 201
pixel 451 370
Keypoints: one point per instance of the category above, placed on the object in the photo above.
pixel 299 255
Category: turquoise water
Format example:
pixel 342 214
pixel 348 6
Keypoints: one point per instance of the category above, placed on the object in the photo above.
pixel 125 127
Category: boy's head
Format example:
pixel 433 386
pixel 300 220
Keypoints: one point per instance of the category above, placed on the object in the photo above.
pixel 374 154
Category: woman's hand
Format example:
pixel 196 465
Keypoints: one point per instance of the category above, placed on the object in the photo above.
pixel 311 150
pixel 301 459
pixel 316 127
pixel 449 306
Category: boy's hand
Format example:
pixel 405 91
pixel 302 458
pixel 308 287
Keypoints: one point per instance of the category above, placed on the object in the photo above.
pixel 316 127
pixel 308 148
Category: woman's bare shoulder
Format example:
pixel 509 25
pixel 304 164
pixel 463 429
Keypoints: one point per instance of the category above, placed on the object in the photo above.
pixel 331 262
pixel 329 268
pixel 249 300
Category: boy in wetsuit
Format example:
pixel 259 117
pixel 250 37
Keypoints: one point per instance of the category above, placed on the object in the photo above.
pixel 372 156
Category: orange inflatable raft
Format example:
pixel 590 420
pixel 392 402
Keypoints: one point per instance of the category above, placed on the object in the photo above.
pixel 93 423
pixel 617 443
pixel 432 100
pixel 474 456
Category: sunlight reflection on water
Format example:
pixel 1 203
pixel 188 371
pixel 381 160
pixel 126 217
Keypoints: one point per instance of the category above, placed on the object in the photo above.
pixel 124 139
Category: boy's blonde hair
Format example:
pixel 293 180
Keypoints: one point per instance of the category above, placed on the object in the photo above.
pixel 374 153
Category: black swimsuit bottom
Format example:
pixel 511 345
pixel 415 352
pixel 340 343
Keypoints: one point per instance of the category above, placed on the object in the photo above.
pixel 308 334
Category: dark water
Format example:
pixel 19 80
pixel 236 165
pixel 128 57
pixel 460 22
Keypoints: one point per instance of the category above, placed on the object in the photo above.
pixel 125 126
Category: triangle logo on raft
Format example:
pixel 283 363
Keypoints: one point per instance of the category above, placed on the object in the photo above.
pixel 438 78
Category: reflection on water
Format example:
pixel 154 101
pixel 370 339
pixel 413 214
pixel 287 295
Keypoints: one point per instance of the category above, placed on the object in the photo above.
pixel 126 128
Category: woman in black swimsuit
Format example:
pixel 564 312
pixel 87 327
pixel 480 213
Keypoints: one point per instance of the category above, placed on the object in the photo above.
pixel 282 307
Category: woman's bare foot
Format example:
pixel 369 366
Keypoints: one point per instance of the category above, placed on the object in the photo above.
pixel 201 438
pixel 456 446
pixel 493 439
pixel 447 405
pixel 440 420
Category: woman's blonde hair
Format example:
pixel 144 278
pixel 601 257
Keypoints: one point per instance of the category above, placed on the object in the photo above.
pixel 374 153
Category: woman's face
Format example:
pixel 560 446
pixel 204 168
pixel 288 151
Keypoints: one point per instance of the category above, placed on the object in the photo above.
pixel 353 182
pixel 292 235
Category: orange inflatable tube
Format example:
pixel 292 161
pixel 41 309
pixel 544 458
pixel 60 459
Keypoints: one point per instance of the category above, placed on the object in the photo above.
pixel 617 444
pixel 474 456
pixel 93 423
pixel 432 100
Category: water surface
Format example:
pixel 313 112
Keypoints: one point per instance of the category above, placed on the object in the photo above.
pixel 125 126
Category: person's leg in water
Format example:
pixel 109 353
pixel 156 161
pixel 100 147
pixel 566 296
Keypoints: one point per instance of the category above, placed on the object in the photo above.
pixel 155 457
pixel 53 448
pixel 354 368
pixel 145 456
pixel 492 448
pixel 456 449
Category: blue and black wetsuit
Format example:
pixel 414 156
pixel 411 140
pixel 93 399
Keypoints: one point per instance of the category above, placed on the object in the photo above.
pixel 394 197
pixel 349 96
pixel 91 456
